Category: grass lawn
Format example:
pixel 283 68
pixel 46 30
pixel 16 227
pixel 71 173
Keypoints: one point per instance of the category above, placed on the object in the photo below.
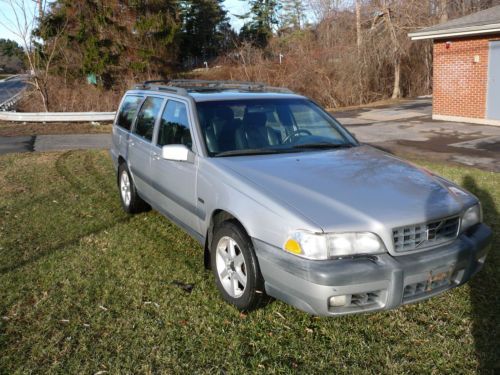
pixel 84 288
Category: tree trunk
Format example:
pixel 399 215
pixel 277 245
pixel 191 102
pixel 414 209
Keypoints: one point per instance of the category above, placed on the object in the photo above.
pixel 40 9
pixel 41 87
pixel 443 5
pixel 359 39
pixel 396 92
pixel 428 66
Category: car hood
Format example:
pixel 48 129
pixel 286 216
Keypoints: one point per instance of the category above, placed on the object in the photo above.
pixel 359 188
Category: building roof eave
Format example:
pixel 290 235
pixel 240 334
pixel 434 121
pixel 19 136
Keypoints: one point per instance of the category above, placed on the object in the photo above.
pixel 456 32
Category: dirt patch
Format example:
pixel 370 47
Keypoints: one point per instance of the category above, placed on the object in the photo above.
pixel 11 129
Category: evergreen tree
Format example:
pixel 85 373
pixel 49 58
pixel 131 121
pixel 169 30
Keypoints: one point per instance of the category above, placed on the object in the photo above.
pixel 206 29
pixel 292 14
pixel 263 16
pixel 11 56
pixel 11 48
pixel 114 38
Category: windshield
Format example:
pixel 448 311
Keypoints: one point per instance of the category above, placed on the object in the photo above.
pixel 245 127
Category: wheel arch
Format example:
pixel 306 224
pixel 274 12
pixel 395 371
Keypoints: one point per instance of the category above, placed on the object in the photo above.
pixel 218 217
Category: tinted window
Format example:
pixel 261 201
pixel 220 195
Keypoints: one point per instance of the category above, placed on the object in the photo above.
pixel 174 125
pixel 147 117
pixel 128 111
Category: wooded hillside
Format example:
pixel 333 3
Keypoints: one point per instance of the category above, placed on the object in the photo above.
pixel 339 52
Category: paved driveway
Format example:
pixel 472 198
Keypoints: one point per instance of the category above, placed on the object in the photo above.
pixel 407 128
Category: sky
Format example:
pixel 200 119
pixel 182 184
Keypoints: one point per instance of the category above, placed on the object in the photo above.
pixel 7 18
pixel 237 7
pixel 234 7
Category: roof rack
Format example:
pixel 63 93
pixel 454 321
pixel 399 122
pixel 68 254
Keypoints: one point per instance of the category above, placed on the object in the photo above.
pixel 183 86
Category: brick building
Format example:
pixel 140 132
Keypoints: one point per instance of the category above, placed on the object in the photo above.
pixel 466 83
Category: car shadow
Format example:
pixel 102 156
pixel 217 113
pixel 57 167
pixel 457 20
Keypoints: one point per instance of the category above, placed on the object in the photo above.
pixel 485 291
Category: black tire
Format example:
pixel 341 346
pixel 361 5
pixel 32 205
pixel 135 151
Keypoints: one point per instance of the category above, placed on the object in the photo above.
pixel 252 294
pixel 134 204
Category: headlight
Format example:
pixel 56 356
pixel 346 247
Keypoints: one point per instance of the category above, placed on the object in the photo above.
pixel 472 216
pixel 332 245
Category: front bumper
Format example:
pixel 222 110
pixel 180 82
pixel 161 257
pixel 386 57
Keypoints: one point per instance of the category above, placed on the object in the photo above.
pixel 371 283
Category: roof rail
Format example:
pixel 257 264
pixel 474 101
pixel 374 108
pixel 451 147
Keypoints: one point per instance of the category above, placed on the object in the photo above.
pixel 156 81
pixel 183 86
pixel 154 85
pixel 199 84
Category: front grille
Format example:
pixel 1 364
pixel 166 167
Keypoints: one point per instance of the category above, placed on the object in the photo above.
pixel 366 299
pixel 420 289
pixel 420 236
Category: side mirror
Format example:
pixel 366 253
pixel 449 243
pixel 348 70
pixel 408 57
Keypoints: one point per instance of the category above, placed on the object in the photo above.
pixel 177 153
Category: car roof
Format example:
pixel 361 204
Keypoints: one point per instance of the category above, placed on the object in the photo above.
pixel 203 91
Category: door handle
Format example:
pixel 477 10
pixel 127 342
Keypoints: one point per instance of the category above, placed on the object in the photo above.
pixel 131 143
pixel 155 156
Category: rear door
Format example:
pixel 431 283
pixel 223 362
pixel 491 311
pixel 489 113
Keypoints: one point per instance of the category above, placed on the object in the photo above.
pixel 493 106
pixel 123 124
pixel 175 181
pixel 139 146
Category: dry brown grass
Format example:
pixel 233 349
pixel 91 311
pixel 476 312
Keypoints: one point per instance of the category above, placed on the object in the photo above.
pixel 75 97
pixel 327 66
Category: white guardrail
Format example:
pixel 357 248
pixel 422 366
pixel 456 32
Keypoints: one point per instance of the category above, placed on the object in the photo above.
pixel 57 116
pixel 11 101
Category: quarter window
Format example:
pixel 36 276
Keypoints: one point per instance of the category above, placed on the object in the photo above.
pixel 147 117
pixel 174 125
pixel 128 110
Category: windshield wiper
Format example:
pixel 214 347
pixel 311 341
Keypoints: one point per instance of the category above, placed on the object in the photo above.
pixel 250 151
pixel 323 145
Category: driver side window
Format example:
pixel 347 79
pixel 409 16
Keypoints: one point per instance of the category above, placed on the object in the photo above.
pixel 174 125
pixel 147 117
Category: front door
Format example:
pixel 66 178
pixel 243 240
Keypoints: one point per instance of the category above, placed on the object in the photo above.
pixel 493 106
pixel 175 181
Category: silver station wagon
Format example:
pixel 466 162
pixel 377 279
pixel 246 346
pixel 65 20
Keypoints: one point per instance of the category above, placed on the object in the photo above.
pixel 287 203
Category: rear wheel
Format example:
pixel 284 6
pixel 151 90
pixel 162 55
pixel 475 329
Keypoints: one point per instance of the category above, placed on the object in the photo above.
pixel 235 267
pixel 131 202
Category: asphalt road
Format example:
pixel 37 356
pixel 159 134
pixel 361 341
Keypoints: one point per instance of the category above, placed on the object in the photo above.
pixel 61 142
pixel 16 144
pixel 11 87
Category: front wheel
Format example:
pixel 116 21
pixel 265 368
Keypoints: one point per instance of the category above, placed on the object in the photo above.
pixel 235 267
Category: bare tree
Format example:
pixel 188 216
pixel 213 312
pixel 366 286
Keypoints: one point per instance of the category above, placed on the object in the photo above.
pixel 443 10
pixel 359 38
pixel 396 50
pixel 39 55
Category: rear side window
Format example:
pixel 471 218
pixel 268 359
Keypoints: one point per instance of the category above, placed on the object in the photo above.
pixel 174 125
pixel 128 110
pixel 147 117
